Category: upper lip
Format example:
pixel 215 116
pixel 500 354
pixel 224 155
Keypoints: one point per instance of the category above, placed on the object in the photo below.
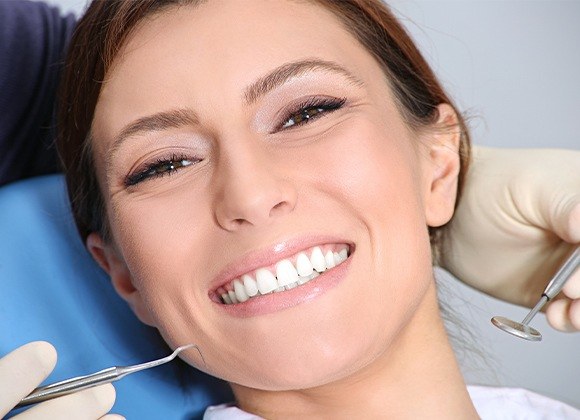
pixel 269 255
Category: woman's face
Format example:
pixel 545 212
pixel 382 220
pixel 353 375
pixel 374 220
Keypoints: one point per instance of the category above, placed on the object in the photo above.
pixel 234 135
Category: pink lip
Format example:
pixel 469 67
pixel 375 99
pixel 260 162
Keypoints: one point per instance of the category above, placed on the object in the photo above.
pixel 274 302
pixel 268 256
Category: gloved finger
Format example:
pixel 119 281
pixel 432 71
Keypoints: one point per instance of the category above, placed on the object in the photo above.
pixel 22 370
pixel 564 216
pixel 560 315
pixel 112 417
pixel 572 287
pixel 574 314
pixel 92 403
pixel 554 201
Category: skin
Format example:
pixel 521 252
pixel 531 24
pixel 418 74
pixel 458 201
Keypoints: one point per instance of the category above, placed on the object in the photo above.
pixel 374 344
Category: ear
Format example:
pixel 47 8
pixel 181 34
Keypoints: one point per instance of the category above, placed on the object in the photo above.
pixel 114 265
pixel 442 169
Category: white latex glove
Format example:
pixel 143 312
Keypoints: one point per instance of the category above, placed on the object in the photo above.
pixel 25 368
pixel 517 221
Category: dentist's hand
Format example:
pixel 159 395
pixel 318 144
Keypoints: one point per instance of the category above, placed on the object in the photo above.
pixel 25 368
pixel 517 221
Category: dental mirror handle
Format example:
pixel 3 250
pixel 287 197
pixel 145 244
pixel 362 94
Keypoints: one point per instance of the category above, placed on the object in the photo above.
pixel 563 274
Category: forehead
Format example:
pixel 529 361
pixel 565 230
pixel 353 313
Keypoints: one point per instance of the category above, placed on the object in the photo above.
pixel 186 55
pixel 252 34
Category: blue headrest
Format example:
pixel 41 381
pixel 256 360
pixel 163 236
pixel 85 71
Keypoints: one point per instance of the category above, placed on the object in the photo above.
pixel 52 290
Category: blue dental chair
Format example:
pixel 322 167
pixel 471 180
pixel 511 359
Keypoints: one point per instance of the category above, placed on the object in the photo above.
pixel 50 289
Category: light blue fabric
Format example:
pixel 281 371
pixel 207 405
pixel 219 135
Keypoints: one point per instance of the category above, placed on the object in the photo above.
pixel 50 289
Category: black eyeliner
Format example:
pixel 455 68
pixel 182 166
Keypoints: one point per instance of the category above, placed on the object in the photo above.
pixel 328 104
pixel 149 170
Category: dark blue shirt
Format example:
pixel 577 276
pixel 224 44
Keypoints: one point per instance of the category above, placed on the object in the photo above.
pixel 33 38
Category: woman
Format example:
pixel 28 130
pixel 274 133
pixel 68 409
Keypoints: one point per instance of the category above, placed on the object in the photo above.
pixel 224 160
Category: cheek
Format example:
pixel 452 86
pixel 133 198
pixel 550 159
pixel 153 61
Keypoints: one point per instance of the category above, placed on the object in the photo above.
pixel 374 169
pixel 160 240
pixel 382 183
pixel 158 237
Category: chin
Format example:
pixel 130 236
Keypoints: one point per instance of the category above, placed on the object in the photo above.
pixel 316 355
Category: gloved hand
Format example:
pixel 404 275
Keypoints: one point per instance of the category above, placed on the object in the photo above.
pixel 517 221
pixel 25 368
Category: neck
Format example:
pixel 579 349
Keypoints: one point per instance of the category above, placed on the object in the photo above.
pixel 418 377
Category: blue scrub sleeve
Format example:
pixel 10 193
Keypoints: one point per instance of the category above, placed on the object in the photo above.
pixel 33 39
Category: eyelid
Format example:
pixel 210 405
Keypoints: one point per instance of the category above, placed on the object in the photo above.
pixel 300 104
pixel 139 174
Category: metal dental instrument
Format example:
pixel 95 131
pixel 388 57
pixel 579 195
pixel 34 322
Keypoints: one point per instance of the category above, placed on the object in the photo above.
pixel 523 330
pixel 104 376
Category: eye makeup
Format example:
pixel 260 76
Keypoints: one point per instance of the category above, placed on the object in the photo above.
pixel 296 115
pixel 160 167
pixel 309 110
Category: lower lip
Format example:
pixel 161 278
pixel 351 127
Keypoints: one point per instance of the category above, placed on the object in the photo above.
pixel 274 302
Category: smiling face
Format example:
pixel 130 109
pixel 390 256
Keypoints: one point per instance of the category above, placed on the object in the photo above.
pixel 241 146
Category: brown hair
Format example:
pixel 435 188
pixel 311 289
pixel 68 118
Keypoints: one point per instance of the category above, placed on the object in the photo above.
pixel 107 24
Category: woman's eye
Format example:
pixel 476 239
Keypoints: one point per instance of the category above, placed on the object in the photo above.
pixel 159 168
pixel 310 111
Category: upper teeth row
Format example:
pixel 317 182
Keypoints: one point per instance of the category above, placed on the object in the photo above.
pixel 287 276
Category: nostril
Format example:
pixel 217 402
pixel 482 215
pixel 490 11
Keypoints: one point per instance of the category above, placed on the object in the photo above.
pixel 278 207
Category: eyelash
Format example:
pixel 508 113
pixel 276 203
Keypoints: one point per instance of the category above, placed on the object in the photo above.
pixel 159 168
pixel 299 115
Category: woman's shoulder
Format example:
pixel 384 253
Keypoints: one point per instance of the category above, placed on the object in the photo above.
pixel 499 403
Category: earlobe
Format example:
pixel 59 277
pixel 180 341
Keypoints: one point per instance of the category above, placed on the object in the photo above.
pixel 114 265
pixel 443 169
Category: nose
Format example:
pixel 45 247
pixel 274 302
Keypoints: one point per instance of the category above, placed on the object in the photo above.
pixel 252 191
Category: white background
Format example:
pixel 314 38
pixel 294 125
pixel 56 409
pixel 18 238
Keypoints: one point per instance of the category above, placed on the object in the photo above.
pixel 515 65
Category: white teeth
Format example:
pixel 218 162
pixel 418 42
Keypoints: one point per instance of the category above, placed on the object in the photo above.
pixel 304 280
pixel 250 285
pixel 329 260
pixel 233 297
pixel 240 291
pixel 317 260
pixel 303 265
pixel 340 257
pixel 266 281
pixel 286 273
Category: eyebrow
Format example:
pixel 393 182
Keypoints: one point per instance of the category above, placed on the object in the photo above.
pixel 157 122
pixel 182 117
pixel 285 72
